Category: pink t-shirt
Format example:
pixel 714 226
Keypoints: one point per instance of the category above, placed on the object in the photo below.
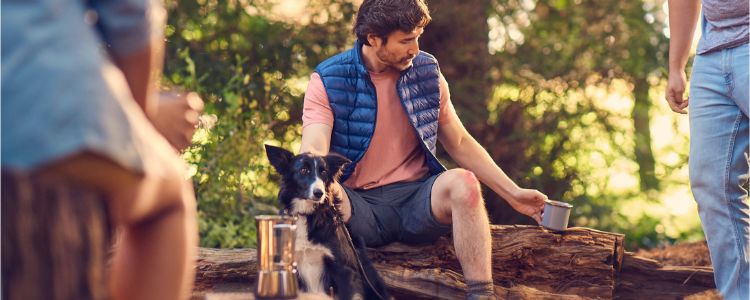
pixel 394 153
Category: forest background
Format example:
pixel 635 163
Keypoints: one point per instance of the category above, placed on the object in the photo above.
pixel 566 96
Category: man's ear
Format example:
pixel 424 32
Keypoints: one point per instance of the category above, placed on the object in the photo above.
pixel 336 164
pixel 279 158
pixel 374 40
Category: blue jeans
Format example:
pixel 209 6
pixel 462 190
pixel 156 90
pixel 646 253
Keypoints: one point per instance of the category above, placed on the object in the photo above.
pixel 719 163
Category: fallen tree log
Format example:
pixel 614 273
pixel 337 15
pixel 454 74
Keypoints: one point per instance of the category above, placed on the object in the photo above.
pixel 528 263
pixel 578 261
pixel 641 274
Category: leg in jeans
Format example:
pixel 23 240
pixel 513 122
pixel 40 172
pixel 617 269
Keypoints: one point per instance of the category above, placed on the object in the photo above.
pixel 719 164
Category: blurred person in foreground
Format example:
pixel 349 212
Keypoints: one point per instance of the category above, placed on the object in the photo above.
pixel 384 105
pixel 718 98
pixel 80 110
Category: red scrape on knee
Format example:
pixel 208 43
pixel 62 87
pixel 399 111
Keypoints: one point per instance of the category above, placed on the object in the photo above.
pixel 472 183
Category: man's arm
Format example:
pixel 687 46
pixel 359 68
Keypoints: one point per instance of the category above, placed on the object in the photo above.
pixel 467 152
pixel 317 118
pixel 316 139
pixel 683 16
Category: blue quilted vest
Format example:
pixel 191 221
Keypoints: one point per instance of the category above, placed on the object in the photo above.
pixel 352 97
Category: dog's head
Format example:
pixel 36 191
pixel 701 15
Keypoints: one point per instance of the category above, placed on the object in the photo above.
pixel 306 178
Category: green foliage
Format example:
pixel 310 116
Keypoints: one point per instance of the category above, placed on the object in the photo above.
pixel 244 63
pixel 553 103
pixel 558 62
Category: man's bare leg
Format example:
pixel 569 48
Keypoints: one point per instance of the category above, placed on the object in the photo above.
pixel 154 256
pixel 457 200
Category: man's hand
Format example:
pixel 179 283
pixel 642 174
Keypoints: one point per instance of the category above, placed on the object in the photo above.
pixel 676 90
pixel 177 117
pixel 529 202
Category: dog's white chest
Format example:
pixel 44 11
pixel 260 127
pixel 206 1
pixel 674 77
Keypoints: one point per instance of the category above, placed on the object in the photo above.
pixel 310 259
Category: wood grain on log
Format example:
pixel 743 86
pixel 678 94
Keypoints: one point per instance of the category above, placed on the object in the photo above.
pixel 526 259
pixel 528 263
pixel 578 261
pixel 225 265
pixel 641 274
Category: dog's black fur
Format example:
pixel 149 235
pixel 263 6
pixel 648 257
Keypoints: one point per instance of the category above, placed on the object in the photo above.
pixel 306 192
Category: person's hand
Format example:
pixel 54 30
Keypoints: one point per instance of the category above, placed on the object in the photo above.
pixel 529 202
pixel 177 117
pixel 676 90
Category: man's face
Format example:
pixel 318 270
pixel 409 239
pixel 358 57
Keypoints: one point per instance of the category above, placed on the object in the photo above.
pixel 400 49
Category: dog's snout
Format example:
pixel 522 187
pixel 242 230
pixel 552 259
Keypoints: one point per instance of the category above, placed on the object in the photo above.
pixel 317 193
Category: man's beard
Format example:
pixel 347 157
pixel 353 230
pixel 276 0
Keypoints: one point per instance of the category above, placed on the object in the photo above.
pixel 394 63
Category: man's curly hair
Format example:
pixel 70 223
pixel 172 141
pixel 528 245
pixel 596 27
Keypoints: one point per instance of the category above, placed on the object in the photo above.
pixel 382 17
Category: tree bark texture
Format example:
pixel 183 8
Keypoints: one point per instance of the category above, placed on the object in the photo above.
pixel 526 260
pixel 528 263
pixel 641 276
pixel 462 53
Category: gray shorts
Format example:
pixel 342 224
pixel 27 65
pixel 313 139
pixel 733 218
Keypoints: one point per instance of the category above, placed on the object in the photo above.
pixel 398 212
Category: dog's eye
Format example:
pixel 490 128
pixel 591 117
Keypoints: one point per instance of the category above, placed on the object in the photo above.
pixel 323 172
pixel 304 171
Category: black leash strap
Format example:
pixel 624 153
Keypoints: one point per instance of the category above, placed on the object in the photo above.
pixel 340 223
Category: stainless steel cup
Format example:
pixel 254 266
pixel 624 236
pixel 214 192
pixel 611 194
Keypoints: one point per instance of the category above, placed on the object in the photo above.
pixel 556 215
pixel 277 269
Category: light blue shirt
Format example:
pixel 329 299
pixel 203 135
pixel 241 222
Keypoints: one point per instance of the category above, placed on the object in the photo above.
pixel 724 24
pixel 61 94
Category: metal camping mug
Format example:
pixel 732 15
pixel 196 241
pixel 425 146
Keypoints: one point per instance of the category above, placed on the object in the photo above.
pixel 277 270
pixel 556 215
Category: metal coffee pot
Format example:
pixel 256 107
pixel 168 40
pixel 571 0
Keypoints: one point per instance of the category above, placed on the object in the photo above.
pixel 277 269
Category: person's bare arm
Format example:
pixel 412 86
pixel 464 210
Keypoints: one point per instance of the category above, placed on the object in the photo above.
pixel 467 152
pixel 316 139
pixel 142 70
pixel 683 17
pixel 174 114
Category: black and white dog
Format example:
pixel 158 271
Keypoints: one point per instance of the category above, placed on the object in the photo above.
pixel 326 257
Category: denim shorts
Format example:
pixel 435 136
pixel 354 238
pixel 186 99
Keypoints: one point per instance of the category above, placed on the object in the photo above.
pixel 398 212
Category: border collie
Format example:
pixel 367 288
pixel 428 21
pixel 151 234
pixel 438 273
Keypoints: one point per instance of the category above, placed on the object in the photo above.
pixel 326 260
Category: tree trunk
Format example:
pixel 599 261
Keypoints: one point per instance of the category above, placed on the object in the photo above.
pixel 461 50
pixel 644 156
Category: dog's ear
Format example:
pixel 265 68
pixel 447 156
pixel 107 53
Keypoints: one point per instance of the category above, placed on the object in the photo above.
pixel 336 164
pixel 279 158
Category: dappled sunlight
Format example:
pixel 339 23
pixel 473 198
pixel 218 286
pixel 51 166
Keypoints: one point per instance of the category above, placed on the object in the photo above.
pixel 676 210
pixel 603 154
pixel 558 114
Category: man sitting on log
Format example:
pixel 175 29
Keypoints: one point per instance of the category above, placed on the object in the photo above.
pixel 384 104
